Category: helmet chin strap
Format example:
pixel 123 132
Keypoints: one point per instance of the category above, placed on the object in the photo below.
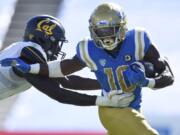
pixel 110 48
pixel 109 44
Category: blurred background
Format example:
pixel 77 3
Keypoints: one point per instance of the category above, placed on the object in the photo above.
pixel 32 112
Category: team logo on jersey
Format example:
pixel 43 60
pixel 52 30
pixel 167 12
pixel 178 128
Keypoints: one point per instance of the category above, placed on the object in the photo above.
pixel 45 26
pixel 127 58
pixel 102 62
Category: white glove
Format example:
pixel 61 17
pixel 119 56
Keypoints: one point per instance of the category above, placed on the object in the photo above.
pixel 115 99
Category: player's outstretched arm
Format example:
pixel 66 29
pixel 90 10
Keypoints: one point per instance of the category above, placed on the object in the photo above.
pixel 51 88
pixel 71 82
pixel 79 83
pixel 52 69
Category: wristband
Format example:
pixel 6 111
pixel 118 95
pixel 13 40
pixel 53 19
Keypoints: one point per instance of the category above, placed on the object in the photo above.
pixel 34 68
pixel 151 83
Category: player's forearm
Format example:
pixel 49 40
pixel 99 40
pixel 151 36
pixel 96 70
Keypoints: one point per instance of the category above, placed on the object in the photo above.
pixel 45 69
pixel 161 67
pixel 52 89
pixel 55 69
pixel 79 83
pixel 51 69
pixel 70 97
pixel 163 81
pixel 166 78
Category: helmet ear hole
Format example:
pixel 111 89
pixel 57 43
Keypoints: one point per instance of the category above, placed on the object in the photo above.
pixel 52 39
pixel 49 53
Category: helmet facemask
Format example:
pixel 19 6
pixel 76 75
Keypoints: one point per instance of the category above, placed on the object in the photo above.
pixel 55 50
pixel 108 37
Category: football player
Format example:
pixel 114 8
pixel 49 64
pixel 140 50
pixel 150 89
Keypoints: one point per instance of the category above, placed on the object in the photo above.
pixel 43 39
pixel 116 56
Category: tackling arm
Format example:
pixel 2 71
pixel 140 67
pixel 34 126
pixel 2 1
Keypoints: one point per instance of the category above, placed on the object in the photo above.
pixel 54 69
pixel 79 83
pixel 51 88
pixel 31 55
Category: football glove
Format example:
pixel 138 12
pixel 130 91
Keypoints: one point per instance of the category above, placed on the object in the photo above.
pixel 115 99
pixel 17 63
pixel 135 74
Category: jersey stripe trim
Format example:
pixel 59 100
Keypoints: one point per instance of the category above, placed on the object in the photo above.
pixel 136 45
pixel 139 44
pixel 36 55
pixel 85 55
pixel 142 45
pixel 38 47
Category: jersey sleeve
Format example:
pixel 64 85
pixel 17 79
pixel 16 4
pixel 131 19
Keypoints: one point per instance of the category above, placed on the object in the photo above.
pixel 32 55
pixel 84 54
pixel 142 43
pixel 147 41
pixel 79 53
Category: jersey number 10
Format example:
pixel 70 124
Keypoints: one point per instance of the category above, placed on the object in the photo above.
pixel 119 76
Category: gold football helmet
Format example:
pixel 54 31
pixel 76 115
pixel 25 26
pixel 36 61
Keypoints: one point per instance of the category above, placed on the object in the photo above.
pixel 107 25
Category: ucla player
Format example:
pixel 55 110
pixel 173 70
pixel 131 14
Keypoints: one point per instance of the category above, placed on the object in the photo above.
pixel 116 56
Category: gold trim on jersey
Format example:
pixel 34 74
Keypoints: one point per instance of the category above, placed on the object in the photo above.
pixel 36 55
pixel 84 54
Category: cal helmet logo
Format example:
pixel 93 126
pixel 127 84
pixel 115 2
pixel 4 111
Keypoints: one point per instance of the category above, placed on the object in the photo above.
pixel 45 26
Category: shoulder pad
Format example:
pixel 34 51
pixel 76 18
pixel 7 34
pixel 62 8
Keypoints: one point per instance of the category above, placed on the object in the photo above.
pixel 32 55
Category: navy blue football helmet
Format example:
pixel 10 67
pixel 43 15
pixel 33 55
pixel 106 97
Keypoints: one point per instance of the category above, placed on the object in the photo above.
pixel 48 32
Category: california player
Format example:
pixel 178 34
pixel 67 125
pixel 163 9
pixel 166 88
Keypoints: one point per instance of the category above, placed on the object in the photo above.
pixel 29 51
pixel 111 54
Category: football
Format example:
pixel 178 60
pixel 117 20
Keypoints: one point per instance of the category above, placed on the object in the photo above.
pixel 149 69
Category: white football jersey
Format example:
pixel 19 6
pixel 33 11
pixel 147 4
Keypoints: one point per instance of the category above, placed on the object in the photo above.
pixel 10 83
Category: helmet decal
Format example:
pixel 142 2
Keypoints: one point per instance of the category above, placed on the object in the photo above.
pixel 48 32
pixel 45 26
